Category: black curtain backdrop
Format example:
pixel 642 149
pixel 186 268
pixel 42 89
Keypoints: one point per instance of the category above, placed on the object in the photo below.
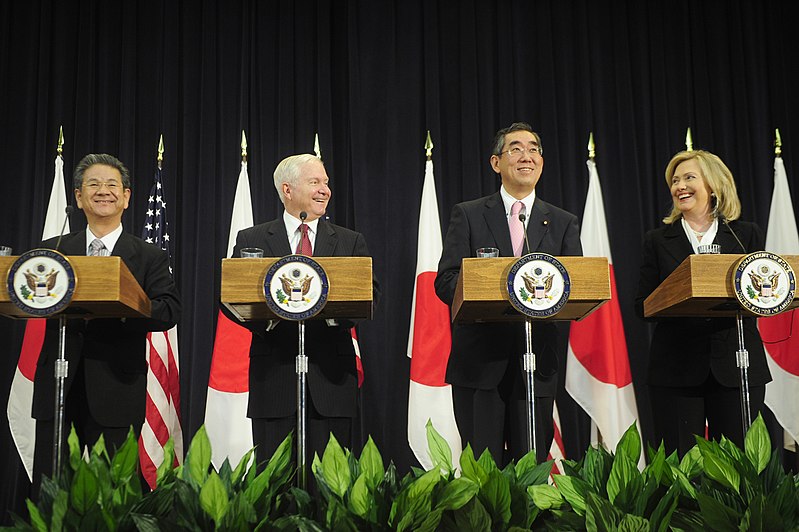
pixel 371 78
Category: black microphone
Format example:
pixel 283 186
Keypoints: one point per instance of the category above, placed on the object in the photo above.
pixel 69 209
pixel 522 218
pixel 303 216
pixel 724 221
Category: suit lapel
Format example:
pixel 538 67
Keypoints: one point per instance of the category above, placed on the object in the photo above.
pixel 277 242
pixel 326 240
pixel 727 241
pixel 538 225
pixel 676 243
pixel 497 222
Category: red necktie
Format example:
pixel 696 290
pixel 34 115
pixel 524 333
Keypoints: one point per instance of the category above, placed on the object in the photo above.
pixel 304 247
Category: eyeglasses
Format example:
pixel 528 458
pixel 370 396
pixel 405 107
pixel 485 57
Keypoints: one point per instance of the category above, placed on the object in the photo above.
pixel 517 152
pixel 112 186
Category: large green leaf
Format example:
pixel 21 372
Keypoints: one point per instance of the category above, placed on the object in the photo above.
pixel 37 521
pixel 574 490
pixel 528 472
pixel 198 459
pixel 630 444
pixel 456 493
pixel 214 498
pixel 360 499
pixel 545 496
pixel 691 464
pixel 495 496
pixel 600 515
pixel 167 464
pixel 623 473
pixel 681 480
pixel 717 466
pixel 242 467
pixel 718 516
pixel 60 507
pixel 757 445
pixel 633 523
pixel 487 462
pixel 335 468
pixel 473 516
pixel 75 449
pixel 661 515
pixel 123 464
pixel 470 468
pixel 371 464
pixel 278 469
pixel 439 449
pixel 84 489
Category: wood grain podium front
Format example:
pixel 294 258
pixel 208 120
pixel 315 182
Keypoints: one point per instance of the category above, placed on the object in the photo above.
pixel 481 296
pixel 350 294
pixel 104 288
pixel 702 287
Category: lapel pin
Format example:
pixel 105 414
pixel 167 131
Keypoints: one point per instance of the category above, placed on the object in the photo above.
pixel 546 222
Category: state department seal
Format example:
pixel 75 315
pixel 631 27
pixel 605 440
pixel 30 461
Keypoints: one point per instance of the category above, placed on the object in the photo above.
pixel 296 287
pixel 538 285
pixel 41 282
pixel 764 283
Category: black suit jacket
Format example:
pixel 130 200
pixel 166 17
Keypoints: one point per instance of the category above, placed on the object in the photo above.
pixel 481 353
pixel 111 351
pixel 684 351
pixel 332 378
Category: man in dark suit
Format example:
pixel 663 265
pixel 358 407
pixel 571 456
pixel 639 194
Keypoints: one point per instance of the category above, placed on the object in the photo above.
pixel 106 384
pixel 484 364
pixel 302 184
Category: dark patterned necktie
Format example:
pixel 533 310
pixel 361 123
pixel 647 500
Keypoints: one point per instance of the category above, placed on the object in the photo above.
pixel 304 247
pixel 95 247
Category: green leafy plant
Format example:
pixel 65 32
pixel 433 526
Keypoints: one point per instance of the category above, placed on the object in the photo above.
pixel 715 486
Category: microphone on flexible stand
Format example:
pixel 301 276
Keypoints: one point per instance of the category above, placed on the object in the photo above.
pixel 522 218
pixel 68 210
pixel 303 216
pixel 724 221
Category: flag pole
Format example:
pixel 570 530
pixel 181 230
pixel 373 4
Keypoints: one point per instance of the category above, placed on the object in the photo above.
pixel 777 143
pixel 160 158
pixel 689 141
pixel 243 147
pixel 61 366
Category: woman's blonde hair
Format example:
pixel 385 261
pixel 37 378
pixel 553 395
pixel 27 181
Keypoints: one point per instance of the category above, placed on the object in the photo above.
pixel 717 176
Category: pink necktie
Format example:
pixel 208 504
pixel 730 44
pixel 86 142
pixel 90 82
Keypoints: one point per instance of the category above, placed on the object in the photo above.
pixel 516 229
pixel 304 247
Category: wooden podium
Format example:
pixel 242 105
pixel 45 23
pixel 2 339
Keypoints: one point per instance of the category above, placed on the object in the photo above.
pixel 104 288
pixel 349 297
pixel 350 294
pixel 481 296
pixel 702 287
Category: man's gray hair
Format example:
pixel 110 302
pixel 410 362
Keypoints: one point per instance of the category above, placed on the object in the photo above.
pixel 99 158
pixel 499 139
pixel 288 171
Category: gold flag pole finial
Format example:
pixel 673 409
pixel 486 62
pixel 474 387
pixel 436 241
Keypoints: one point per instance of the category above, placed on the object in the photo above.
pixel 243 146
pixel 60 149
pixel 428 146
pixel 316 149
pixel 591 146
pixel 689 141
pixel 160 151
pixel 777 144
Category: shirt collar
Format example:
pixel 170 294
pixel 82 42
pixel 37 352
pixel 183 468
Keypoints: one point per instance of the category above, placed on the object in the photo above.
pixel 509 200
pixel 109 240
pixel 292 224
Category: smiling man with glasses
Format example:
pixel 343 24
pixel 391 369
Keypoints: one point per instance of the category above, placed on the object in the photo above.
pixel 105 389
pixel 484 368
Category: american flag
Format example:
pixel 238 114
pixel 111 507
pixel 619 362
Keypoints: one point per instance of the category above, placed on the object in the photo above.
pixel 162 417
